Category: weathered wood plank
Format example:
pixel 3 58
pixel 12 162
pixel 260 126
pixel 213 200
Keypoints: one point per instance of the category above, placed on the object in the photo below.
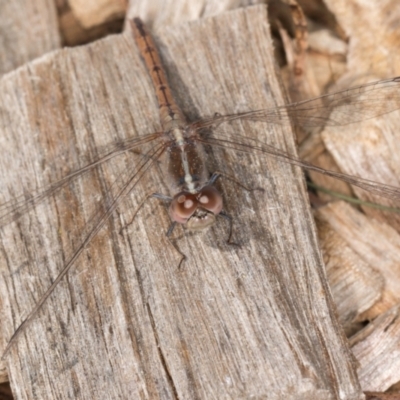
pixel 27 30
pixel 234 322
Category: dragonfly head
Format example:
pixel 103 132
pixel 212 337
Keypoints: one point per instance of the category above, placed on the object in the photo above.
pixel 197 210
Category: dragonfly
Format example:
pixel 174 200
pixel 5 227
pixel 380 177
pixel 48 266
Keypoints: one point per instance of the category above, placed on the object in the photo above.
pixel 194 201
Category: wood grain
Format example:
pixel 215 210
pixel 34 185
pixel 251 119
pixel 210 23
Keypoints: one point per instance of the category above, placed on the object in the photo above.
pixel 252 321
pixel 377 245
pixel 369 149
pixel 356 286
pixel 27 30
pixel 376 348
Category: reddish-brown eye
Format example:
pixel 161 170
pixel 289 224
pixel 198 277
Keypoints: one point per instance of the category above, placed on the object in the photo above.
pixel 210 199
pixel 182 207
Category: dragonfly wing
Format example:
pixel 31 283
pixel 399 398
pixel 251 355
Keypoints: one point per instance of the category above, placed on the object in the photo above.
pixel 92 228
pixel 13 209
pixel 253 146
pixel 351 105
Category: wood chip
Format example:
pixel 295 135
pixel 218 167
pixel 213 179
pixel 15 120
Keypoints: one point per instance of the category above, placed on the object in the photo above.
pixel 377 349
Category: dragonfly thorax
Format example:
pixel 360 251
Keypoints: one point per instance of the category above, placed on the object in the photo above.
pixel 197 210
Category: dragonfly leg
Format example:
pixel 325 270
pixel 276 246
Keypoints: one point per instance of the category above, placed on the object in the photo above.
pixel 145 155
pixel 148 196
pixel 167 199
pixel 170 229
pixel 217 174
pixel 168 235
pixel 223 214
pixel 162 197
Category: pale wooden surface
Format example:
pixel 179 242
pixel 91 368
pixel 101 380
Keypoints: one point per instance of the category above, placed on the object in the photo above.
pixel 362 253
pixel 376 244
pixel 355 284
pixel 377 350
pixel 363 265
pixel 370 50
pixel 72 31
pixel 28 29
pixel 254 321
pixel 158 13
pixel 94 12
pixel 370 149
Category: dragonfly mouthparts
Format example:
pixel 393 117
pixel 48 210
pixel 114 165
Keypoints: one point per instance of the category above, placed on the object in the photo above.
pixel 198 210
pixel 201 219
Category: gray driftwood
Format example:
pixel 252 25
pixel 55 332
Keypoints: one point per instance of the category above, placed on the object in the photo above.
pixel 252 321
pixel 28 29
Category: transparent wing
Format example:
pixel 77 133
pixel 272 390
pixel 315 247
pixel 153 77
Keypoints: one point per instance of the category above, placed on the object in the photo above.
pixel 13 209
pixel 92 229
pixel 239 143
pixel 351 105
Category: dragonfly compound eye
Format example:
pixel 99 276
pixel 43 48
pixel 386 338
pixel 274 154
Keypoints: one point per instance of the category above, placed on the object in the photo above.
pixel 210 199
pixel 197 210
pixel 182 207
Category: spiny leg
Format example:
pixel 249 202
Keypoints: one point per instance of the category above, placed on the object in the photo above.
pixel 164 198
pixel 217 174
pixel 223 214
pixel 212 180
